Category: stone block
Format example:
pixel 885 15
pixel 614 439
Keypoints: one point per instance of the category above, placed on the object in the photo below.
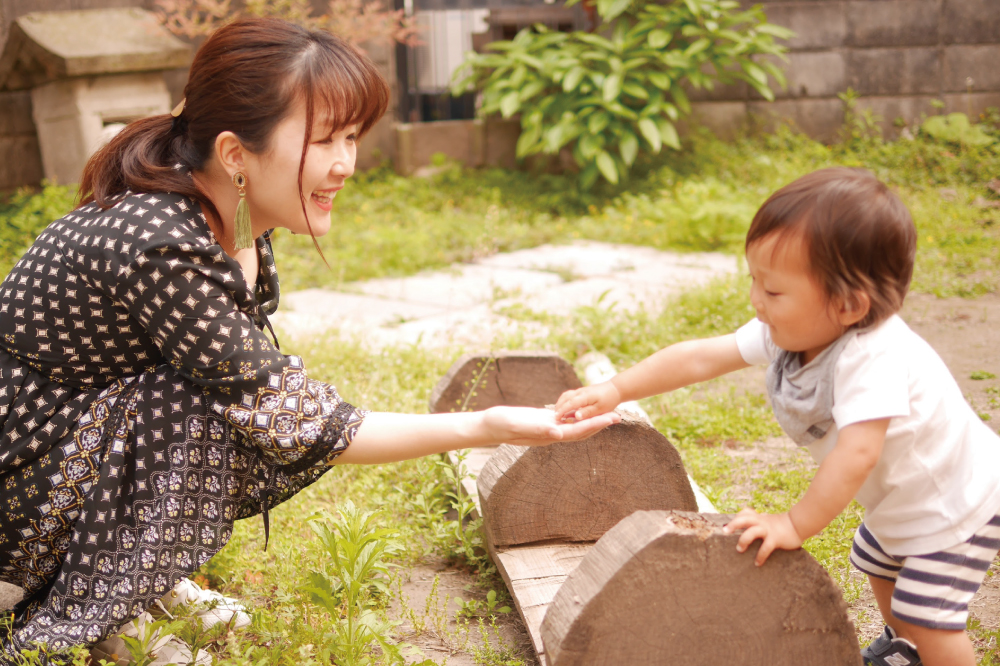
pixel 981 63
pixel 893 23
pixel 819 118
pixel 725 119
pixel 971 104
pixel 970 21
pixel 71 114
pixel 810 74
pixel 894 71
pixel 20 162
pixel 817 25
pixel 416 143
pixel 15 113
pixel 501 143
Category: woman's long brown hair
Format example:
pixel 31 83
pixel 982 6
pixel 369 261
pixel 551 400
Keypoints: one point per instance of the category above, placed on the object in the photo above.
pixel 245 78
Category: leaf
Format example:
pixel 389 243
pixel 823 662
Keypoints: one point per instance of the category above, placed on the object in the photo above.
pixel 530 90
pixel 629 148
pixel 755 72
pixel 669 134
pixel 635 90
pixel 588 176
pixel 697 47
pixel 660 80
pixel 597 122
pixel 778 31
pixel 659 38
pixel 681 99
pixel 510 104
pixel 612 87
pixel 590 145
pixel 606 165
pixel 652 135
pixel 573 78
pixel 610 10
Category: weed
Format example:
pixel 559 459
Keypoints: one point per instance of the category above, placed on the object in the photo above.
pixel 980 375
pixel 494 651
pixel 475 608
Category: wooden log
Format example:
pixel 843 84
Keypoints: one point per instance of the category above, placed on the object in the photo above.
pixel 482 380
pixel 669 588
pixel 577 491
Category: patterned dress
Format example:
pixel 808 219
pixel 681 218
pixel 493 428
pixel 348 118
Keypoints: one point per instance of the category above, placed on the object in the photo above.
pixel 142 411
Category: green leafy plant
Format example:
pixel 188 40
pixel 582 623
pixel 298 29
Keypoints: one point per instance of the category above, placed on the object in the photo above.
pixel 980 375
pixel 956 128
pixel 348 587
pixel 619 91
pixel 474 608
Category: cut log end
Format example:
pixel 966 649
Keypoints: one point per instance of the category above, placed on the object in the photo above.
pixel 669 588
pixel 577 491
pixel 520 379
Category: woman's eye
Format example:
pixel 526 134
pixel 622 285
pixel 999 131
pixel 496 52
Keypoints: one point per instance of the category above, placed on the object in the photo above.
pixel 352 137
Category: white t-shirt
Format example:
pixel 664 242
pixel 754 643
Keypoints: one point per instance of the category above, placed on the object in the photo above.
pixel 938 478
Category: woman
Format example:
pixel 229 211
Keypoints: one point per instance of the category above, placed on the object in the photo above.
pixel 143 408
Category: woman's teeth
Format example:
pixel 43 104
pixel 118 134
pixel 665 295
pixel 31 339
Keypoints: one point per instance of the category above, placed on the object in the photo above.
pixel 323 198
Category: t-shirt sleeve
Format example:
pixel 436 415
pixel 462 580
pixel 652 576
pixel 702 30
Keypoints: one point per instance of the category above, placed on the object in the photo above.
pixel 754 342
pixel 870 381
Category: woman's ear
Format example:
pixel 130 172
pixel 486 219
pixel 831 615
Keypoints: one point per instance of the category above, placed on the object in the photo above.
pixel 853 308
pixel 229 152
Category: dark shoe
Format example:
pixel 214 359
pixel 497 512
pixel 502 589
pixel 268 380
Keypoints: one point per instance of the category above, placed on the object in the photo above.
pixel 890 650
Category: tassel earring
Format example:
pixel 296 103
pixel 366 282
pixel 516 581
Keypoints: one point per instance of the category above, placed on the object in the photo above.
pixel 243 234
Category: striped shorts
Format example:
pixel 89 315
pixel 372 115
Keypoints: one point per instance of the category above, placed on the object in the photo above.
pixel 931 590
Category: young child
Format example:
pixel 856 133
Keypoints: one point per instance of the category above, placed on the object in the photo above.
pixel 831 257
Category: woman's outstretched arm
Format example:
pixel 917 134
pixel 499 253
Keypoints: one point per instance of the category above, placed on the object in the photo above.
pixel 385 437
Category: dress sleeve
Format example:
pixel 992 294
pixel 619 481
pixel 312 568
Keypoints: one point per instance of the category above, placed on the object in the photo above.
pixel 184 294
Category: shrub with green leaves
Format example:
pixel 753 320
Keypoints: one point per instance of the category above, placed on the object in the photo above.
pixel 615 92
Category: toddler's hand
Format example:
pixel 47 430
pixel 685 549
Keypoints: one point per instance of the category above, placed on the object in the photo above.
pixel 776 531
pixel 583 403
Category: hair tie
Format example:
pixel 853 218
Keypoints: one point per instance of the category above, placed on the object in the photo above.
pixel 178 124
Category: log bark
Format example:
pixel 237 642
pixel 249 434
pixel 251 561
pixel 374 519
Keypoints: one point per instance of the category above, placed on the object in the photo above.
pixel 577 491
pixel 669 588
pixel 483 380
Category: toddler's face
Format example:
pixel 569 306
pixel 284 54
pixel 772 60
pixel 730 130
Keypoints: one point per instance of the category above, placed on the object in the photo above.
pixel 789 299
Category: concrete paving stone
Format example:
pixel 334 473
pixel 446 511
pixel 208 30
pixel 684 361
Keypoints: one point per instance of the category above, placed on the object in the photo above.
pixel 9 595
pixel 589 258
pixel 315 310
pixel 602 292
pixel 463 286
pixel 475 327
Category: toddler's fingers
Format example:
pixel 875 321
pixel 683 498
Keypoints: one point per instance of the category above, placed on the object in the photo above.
pixel 743 519
pixel 750 535
pixel 766 548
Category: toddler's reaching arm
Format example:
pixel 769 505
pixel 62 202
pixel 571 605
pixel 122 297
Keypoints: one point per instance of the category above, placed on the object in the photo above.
pixel 670 368
pixel 838 479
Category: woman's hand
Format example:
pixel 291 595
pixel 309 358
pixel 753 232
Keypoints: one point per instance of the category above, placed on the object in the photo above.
pixel 776 531
pixel 583 403
pixel 527 426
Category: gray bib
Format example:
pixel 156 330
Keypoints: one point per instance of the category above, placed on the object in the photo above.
pixel 802 396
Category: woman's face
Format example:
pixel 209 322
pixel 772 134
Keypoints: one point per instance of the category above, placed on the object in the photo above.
pixel 272 176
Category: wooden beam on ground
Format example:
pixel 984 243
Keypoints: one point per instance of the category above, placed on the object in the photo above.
pixel 669 588
pixel 577 491
pixel 487 379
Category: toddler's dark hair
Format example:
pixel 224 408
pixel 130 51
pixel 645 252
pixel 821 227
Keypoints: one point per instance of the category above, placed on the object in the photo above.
pixel 859 234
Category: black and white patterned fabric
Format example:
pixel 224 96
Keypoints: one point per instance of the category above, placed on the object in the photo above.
pixel 142 411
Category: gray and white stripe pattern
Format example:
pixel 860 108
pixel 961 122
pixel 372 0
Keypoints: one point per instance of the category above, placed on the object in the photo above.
pixel 932 590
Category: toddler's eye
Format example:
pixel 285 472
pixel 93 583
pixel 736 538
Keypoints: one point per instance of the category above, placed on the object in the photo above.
pixel 771 293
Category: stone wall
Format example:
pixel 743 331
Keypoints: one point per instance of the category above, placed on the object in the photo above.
pixel 899 55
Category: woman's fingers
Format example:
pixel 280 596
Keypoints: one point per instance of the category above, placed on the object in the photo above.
pixel 583 429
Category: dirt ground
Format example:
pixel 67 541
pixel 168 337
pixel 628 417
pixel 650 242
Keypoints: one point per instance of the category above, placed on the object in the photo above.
pixel 966 333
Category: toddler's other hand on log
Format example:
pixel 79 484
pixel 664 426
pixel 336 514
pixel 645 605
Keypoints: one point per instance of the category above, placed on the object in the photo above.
pixel 584 403
pixel 776 531
pixel 527 426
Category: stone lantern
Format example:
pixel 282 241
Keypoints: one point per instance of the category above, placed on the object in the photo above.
pixel 89 72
